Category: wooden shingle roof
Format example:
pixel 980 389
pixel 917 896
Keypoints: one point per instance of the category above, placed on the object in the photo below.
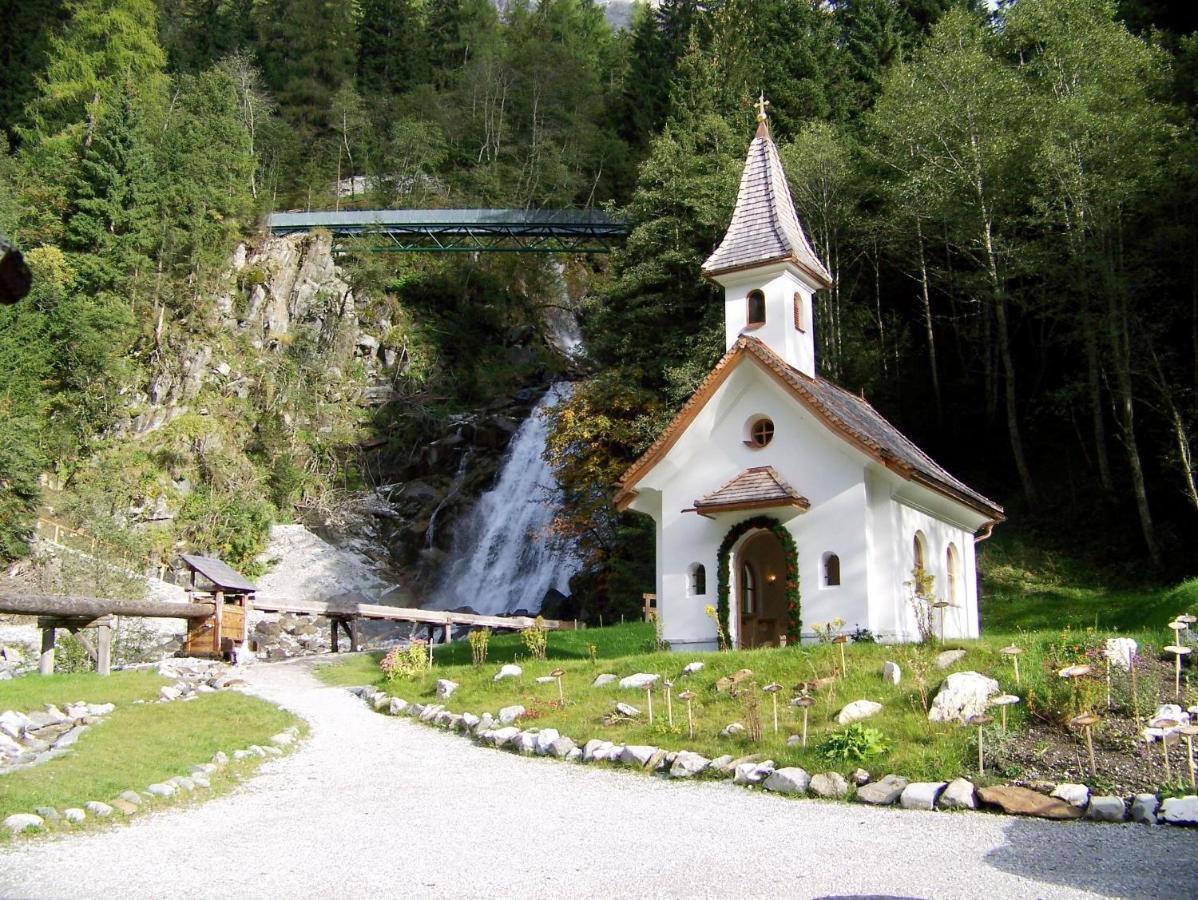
pixel 765 227
pixel 219 573
pixel 848 415
pixel 757 488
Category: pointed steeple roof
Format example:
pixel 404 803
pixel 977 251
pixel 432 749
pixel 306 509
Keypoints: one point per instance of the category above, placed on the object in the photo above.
pixel 765 227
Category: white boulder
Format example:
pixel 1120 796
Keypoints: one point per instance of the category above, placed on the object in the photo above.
pixel 949 657
pixel 788 780
pixel 753 773
pixel 958 794
pixel 732 730
pixel 962 695
pixel 445 688
pixel 1074 794
pixel 692 668
pixel 1180 810
pixel 545 739
pixel 510 714
pixel 921 794
pixel 605 678
pixel 18 822
pixel 640 680
pixel 687 764
pixel 858 710
pixel 625 709
pixel 1121 651
pixel 891 673
pixel 510 670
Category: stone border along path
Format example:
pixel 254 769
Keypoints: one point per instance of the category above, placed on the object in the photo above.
pixel 371 806
pixel 1065 801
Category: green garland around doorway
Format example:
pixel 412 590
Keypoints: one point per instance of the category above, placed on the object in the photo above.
pixel 793 622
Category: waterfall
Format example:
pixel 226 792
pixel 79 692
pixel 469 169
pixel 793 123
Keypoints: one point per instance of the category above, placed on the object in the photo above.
pixel 503 557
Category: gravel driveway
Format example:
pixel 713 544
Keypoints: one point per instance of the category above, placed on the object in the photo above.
pixel 373 806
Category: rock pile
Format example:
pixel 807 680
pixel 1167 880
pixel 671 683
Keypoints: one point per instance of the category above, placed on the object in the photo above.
pixel 287 635
pixel 28 739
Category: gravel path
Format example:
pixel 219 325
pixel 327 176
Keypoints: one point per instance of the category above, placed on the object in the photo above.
pixel 376 806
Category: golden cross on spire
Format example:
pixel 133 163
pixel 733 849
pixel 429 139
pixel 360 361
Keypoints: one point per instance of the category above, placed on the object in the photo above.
pixel 762 105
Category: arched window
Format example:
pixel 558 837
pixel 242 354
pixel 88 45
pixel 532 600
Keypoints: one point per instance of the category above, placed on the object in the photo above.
pixel 953 575
pixel 919 552
pixel 756 308
pixel 799 311
pixel 698 580
pixel 831 571
pixel 748 588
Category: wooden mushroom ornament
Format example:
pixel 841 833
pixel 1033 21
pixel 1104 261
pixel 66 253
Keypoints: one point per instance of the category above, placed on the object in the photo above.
pixel 688 696
pixel 804 702
pixel 842 639
pixel 557 676
pixel 1086 722
pixel 1013 652
pixel 772 690
pixel 1178 652
pixel 940 606
pixel 1002 701
pixel 1161 729
pixel 669 686
pixel 1188 732
pixel 979 722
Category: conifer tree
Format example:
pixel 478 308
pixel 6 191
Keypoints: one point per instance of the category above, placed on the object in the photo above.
pixel 104 44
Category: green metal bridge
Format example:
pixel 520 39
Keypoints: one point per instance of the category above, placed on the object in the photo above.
pixel 467 230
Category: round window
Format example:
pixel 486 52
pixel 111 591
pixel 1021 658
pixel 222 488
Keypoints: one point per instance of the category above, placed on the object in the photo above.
pixel 761 432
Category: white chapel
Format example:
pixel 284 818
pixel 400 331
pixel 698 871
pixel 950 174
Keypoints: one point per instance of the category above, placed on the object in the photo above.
pixel 781 499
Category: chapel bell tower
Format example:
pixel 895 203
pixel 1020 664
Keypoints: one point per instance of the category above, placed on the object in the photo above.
pixel 768 270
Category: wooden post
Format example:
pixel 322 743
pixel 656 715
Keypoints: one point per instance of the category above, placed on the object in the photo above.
pixel 353 634
pixel 648 600
pixel 448 630
pixel 45 665
pixel 104 646
pixel 335 635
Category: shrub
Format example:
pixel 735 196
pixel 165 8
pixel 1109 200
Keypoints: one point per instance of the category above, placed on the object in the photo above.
pixel 536 638
pixel 854 743
pixel 479 639
pixel 405 662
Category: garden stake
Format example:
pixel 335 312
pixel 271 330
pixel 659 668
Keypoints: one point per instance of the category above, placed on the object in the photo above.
pixel 688 696
pixel 772 690
pixel 557 674
pixel 1108 682
pixel 649 697
pixel 669 703
pixel 1188 732
pixel 1013 652
pixel 1086 722
pixel 980 721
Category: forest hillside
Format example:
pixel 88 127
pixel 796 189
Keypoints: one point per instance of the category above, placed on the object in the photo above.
pixel 1007 200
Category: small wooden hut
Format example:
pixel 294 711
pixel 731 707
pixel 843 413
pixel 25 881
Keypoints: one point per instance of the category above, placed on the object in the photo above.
pixel 231 595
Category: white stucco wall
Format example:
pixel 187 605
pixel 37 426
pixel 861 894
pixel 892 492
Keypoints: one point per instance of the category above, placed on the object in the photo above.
pixel 864 513
pixel 779 284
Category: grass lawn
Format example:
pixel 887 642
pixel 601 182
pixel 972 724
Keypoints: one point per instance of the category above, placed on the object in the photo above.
pixel 1055 626
pixel 32 692
pixel 137 744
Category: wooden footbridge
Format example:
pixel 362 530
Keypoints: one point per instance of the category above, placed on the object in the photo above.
pixel 217 615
